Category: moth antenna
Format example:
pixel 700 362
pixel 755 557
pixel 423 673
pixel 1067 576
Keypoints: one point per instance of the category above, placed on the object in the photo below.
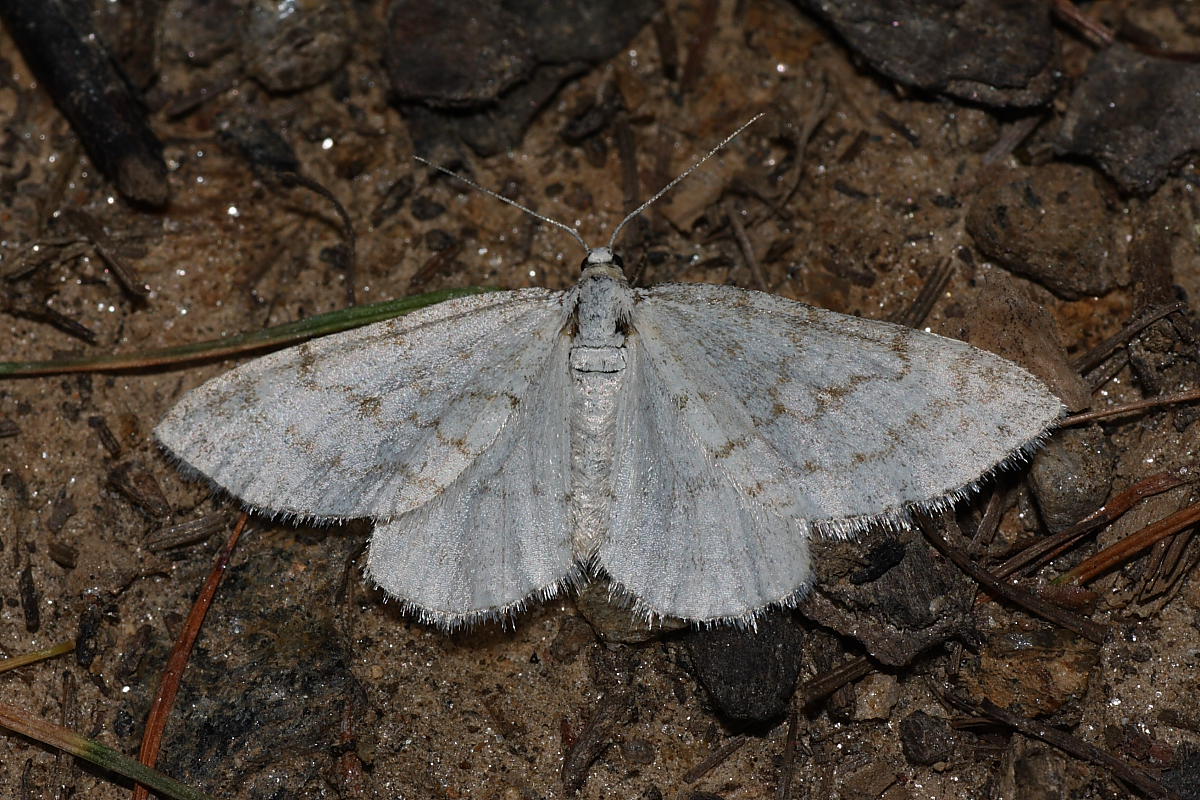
pixel 510 201
pixel 683 175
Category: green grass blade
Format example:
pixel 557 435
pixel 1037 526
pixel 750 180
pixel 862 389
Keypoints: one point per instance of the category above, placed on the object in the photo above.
pixel 102 756
pixel 288 333
pixel 37 655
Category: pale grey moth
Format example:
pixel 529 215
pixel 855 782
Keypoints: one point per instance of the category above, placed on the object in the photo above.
pixel 685 439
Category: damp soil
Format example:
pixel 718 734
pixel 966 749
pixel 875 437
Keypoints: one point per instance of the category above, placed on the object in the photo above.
pixel 976 197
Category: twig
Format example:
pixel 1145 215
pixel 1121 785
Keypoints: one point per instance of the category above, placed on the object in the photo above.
pixel 915 313
pixel 1086 628
pixel 1095 32
pixel 1094 357
pixel 818 111
pixel 90 229
pixel 715 759
pixel 993 512
pixel 1010 138
pixel 613 709
pixel 1080 749
pixel 824 685
pixel 787 767
pixel 168 687
pixel 1131 545
pixel 745 245
pixel 1052 546
pixel 348 235
pixel 1154 402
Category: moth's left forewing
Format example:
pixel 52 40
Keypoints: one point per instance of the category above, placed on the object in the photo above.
pixel 373 421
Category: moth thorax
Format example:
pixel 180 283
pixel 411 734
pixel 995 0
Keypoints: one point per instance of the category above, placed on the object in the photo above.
pixel 603 308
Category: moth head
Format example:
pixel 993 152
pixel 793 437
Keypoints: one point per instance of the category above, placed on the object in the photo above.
pixel 602 257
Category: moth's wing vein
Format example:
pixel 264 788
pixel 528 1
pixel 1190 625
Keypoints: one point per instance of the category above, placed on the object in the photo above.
pixel 746 418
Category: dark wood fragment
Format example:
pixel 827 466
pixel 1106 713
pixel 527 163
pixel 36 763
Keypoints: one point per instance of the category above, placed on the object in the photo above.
pixel 140 487
pixel 107 438
pixel 614 709
pixel 31 600
pixel 63 49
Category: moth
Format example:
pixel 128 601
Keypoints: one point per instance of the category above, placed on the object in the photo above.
pixel 687 440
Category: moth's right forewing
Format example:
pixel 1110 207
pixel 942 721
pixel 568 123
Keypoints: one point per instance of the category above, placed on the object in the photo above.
pixel 374 421
pixel 841 421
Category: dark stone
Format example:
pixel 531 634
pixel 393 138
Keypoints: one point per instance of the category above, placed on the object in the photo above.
pixel 425 209
pixel 1032 671
pixel 1007 318
pixel 995 53
pixel 1071 476
pixel 124 724
pixel 589 120
pixel 200 32
pixel 1041 773
pixel 909 607
pixel 288 52
pixel 1135 115
pixel 880 558
pixel 259 143
pixel 15 485
pixel 393 200
pixel 499 129
pixel 926 740
pixel 638 751
pixel 1050 225
pixel 438 240
pixel 749 675
pixel 518 54
pixel 455 53
pixel 573 636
